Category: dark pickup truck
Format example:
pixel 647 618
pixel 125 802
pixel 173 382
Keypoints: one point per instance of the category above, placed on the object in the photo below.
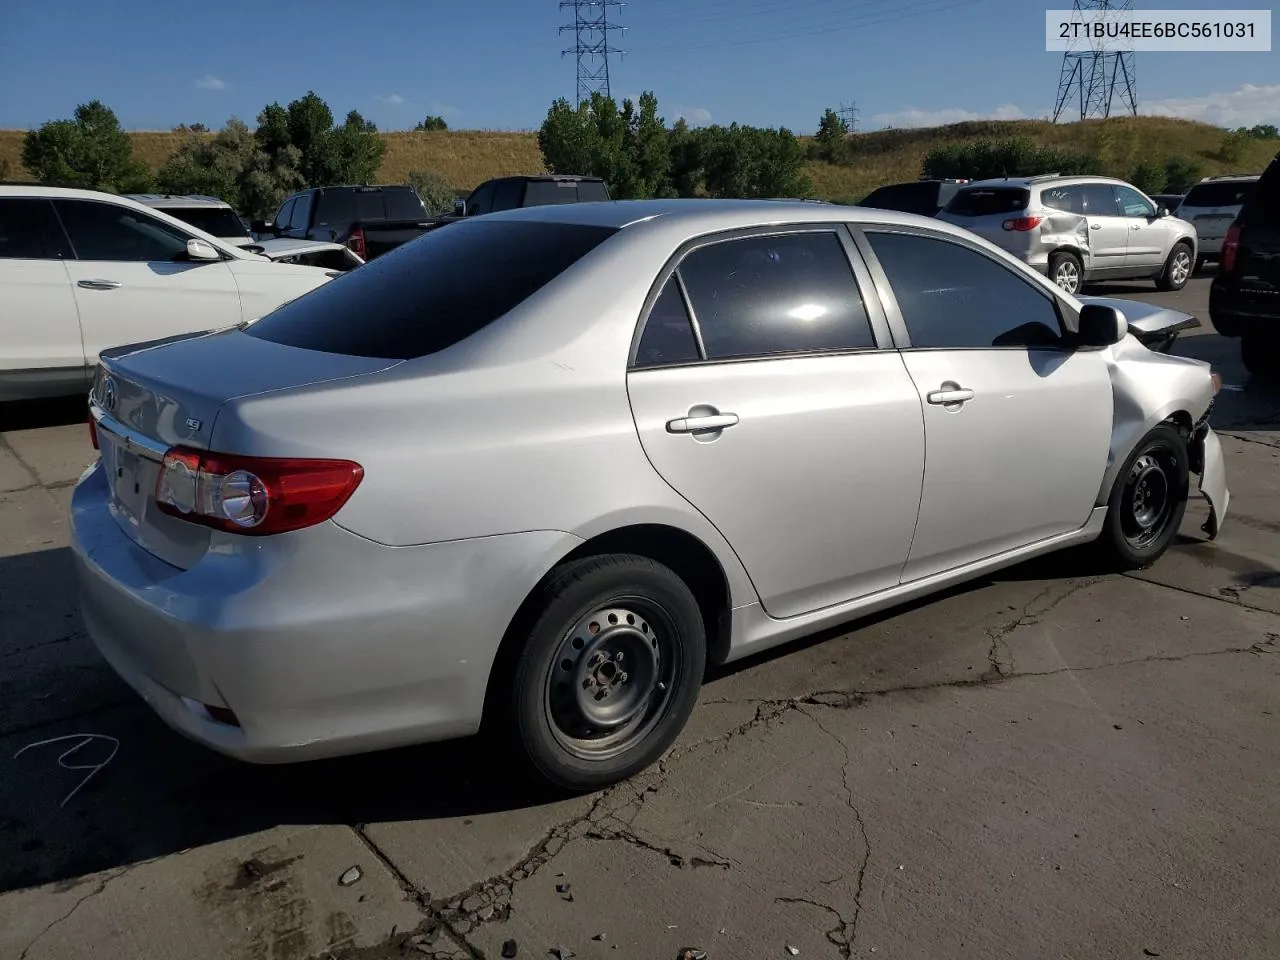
pixel 511 193
pixel 369 220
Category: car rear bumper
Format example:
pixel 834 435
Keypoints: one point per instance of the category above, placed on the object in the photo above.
pixel 1233 310
pixel 320 643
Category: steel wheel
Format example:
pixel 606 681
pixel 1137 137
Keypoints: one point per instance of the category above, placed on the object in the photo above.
pixel 1180 269
pixel 1067 276
pixel 1148 503
pixel 611 679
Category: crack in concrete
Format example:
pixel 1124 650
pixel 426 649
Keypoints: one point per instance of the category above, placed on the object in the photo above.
pixel 76 635
pixel 1235 601
pixel 1273 444
pixel 102 886
pixel 841 935
pixel 677 860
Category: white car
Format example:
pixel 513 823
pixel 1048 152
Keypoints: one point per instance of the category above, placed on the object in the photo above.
pixel 82 271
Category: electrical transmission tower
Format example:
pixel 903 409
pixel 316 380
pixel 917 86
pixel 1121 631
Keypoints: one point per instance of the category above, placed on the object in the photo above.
pixel 1094 71
pixel 591 28
pixel 849 115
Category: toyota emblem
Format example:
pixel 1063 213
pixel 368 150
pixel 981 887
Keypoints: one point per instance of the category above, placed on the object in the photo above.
pixel 109 397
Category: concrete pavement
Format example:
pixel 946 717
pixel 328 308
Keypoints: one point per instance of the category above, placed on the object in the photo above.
pixel 1048 762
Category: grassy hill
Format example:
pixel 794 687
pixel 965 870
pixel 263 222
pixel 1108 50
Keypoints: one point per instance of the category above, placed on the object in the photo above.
pixel 465 158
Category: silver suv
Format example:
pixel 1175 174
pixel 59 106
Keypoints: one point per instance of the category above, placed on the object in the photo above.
pixel 1079 229
pixel 1213 205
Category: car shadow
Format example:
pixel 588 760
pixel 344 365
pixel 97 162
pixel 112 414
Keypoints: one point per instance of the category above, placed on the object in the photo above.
pixel 37 414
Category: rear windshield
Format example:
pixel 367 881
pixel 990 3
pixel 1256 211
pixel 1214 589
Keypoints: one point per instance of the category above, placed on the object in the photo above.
pixel 1218 194
pixel 986 201
pixel 218 221
pixel 432 292
pixel 908 197
pixel 542 193
pixel 369 204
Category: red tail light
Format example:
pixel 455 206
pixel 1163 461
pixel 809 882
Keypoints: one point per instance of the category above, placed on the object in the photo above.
pixel 1022 224
pixel 93 431
pixel 1230 245
pixel 253 495
pixel 355 242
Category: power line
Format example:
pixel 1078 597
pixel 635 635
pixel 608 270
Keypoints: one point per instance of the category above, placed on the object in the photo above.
pixel 1093 71
pixel 825 28
pixel 591 28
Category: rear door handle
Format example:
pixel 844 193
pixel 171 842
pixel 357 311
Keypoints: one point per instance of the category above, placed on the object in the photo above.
pixel 1135 226
pixel 99 284
pixel 1095 226
pixel 954 395
pixel 699 424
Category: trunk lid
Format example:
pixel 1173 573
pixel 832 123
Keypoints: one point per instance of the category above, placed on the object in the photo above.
pixel 149 397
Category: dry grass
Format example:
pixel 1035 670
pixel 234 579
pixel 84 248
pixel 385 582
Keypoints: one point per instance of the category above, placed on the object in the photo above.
pixel 466 158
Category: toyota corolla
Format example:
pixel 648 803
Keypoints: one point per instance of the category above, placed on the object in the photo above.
pixel 532 473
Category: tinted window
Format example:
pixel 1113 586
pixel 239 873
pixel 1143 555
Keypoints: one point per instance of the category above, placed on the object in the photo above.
pixel 105 231
pixel 29 230
pixel 907 197
pixel 218 221
pixel 668 334
pixel 541 193
pixel 430 294
pixel 1133 203
pixel 1100 200
pixel 1067 199
pixel 282 215
pixel 402 205
pixel 301 214
pixel 762 296
pixel 988 201
pixel 1219 194
pixel 1263 206
pixel 508 195
pixel 481 201
pixel 951 296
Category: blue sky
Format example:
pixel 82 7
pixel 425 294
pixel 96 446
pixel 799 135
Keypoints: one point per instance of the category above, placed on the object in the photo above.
pixel 498 65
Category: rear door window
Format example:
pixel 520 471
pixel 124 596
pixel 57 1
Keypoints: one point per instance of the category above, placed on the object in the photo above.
pixel 668 335
pixel 989 201
pixel 773 295
pixel 1100 200
pixel 428 295
pixel 29 230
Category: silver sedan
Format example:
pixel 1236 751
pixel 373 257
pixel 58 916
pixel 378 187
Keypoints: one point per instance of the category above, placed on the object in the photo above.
pixel 529 474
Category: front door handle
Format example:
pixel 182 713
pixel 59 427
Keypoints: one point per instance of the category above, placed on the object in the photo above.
pixel 951 395
pixel 1095 226
pixel 700 424
pixel 1135 226
pixel 99 284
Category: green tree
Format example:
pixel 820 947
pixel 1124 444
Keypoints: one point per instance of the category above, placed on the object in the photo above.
pixel 647 142
pixel 741 161
pixel 1261 131
pixel 1233 146
pixel 568 139
pixel 352 153
pixel 432 123
pixel 234 166
pixel 1180 174
pixel 1009 157
pixel 1149 177
pixel 832 131
pixel 684 147
pixel 89 150
pixel 437 196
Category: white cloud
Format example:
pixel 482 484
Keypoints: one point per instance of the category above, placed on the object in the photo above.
pixel 694 116
pixel 1243 107
pixel 914 117
pixel 394 99
pixel 210 82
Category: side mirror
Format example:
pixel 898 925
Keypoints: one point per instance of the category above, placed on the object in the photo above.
pixel 1101 326
pixel 199 250
pixel 1162 212
pixel 460 208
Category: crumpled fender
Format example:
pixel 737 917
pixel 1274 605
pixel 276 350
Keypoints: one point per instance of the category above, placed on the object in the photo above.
pixel 1206 453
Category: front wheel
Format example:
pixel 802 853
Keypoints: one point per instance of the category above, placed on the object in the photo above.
pixel 1177 268
pixel 1066 270
pixel 1148 500
pixel 610 671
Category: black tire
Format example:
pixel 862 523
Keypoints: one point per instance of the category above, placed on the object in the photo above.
pixel 1260 353
pixel 1064 268
pixel 1140 526
pixel 1199 265
pixel 617 622
pixel 1177 268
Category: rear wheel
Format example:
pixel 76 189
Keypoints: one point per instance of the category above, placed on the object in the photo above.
pixel 1066 270
pixel 610 671
pixel 1177 268
pixel 1148 500
pixel 1260 352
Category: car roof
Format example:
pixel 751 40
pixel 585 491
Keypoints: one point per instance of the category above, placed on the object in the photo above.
pixel 1043 180
pixel 699 215
pixel 176 200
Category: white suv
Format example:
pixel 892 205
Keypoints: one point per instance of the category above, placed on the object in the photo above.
pixel 205 213
pixel 1079 229
pixel 1213 205
pixel 82 271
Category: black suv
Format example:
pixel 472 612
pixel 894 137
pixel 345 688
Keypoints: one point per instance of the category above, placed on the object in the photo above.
pixel 1244 299
pixel 925 197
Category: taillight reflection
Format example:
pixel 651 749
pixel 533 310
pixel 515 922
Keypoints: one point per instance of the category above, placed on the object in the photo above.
pixel 1230 245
